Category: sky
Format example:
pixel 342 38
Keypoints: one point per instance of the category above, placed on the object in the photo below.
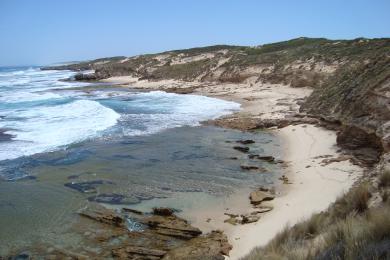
pixel 41 32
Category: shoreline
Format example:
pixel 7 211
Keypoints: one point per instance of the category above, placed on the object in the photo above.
pixel 312 189
pixel 314 183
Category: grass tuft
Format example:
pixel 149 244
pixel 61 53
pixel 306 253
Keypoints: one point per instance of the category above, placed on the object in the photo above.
pixel 384 179
pixel 355 201
pixel 348 230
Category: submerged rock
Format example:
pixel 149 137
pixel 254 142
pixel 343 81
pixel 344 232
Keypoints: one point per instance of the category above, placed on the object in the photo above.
pixel 103 215
pixel 241 149
pixel 5 136
pixel 132 211
pixel 266 158
pixel 113 198
pixel 132 234
pixel 249 167
pixel 87 186
pixel 246 141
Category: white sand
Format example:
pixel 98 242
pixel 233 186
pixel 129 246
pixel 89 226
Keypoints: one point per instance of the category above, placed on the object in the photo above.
pixel 312 190
pixel 314 186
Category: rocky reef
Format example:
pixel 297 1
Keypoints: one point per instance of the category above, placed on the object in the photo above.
pixel 131 234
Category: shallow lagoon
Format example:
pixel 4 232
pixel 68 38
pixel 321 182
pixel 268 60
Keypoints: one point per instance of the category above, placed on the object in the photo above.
pixel 183 168
pixel 67 144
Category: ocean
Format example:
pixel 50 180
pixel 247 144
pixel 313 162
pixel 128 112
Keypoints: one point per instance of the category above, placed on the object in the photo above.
pixel 40 113
pixel 64 144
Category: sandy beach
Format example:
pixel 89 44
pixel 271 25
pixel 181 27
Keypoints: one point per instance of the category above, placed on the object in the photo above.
pixel 312 184
pixel 165 130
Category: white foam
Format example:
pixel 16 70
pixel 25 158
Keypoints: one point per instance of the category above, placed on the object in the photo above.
pixel 33 85
pixel 48 128
pixel 173 110
pixel 23 96
pixel 50 124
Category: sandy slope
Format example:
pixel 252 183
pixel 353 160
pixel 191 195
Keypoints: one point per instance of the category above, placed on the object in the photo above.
pixel 312 190
pixel 313 185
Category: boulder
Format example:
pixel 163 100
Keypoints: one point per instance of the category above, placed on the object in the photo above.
pixel 262 209
pixel 137 252
pixel 213 246
pixel 85 76
pixel 171 226
pixel 256 197
pixel 163 211
pixel 246 219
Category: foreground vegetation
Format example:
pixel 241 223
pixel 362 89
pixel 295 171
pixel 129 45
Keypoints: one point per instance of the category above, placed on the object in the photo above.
pixel 356 226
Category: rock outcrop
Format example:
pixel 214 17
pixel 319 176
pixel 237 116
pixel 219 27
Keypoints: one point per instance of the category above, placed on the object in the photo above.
pixel 171 225
pixel 257 197
pixel 358 97
pixel 85 77
pixel 212 247
pixel 160 234
pixel 103 215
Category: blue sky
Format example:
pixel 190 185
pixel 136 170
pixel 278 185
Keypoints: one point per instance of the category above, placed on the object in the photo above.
pixel 43 32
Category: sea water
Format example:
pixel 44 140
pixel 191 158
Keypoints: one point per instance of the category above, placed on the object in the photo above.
pixel 36 118
pixel 64 144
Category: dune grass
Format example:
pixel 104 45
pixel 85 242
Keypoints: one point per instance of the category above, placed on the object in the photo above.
pixel 349 229
pixel 384 179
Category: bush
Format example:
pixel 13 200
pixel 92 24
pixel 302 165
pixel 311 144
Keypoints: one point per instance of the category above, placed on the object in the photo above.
pixel 384 179
pixel 355 201
pixel 348 230
pixel 359 237
pixel 385 195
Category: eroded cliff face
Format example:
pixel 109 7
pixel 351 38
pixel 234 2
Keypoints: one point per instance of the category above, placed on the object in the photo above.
pixel 358 97
pixel 299 62
pixel 350 78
